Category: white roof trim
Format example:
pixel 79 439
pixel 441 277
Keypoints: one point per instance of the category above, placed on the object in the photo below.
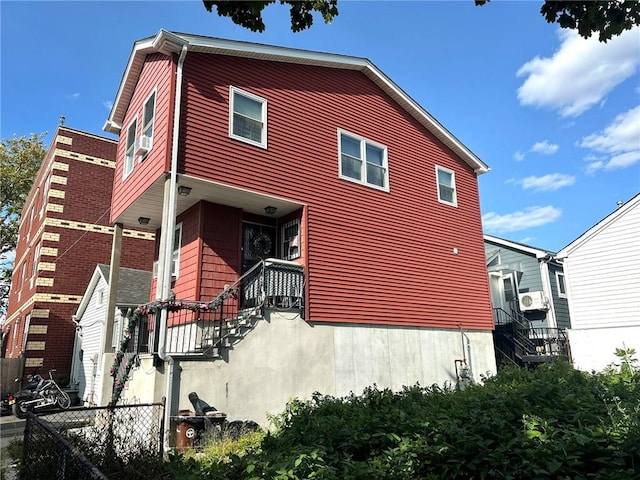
pixel 86 298
pixel 517 246
pixel 170 43
pixel 601 225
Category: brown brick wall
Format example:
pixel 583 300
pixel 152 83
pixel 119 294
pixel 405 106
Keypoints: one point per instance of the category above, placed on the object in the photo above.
pixel 74 236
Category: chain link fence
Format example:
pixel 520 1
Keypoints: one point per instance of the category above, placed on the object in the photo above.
pixel 124 441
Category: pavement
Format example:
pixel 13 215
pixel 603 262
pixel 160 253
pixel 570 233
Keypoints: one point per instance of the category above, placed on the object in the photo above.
pixel 11 428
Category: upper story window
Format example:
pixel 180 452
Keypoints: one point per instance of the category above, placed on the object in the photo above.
pixel 562 288
pixel 291 240
pixel 36 259
pixel 175 259
pixel 248 117
pixel 148 116
pixel 45 195
pixel 446 186
pixel 129 153
pixel 363 161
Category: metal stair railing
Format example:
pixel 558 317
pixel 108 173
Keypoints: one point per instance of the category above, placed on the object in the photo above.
pixel 516 328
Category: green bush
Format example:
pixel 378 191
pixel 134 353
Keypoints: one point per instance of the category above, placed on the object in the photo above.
pixel 551 423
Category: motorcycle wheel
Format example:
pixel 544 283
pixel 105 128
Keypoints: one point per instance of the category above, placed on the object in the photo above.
pixel 64 401
pixel 5 409
pixel 20 409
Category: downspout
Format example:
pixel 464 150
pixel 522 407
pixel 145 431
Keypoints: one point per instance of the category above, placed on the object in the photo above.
pixel 466 352
pixel 552 321
pixel 168 248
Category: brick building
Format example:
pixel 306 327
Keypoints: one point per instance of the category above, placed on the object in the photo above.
pixel 64 233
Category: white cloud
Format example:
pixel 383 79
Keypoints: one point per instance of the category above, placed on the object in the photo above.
pixel 547 183
pixel 544 147
pixel 108 104
pixel 580 73
pixel 73 96
pixel 619 141
pixel 520 220
pixel 593 167
pixel 518 156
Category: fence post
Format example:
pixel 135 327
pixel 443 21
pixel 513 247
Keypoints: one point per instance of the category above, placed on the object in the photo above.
pixel 161 451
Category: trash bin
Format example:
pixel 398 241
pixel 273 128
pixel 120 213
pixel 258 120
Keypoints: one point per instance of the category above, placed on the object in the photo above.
pixel 185 430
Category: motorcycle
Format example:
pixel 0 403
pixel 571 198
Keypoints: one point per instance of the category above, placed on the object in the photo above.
pixel 38 393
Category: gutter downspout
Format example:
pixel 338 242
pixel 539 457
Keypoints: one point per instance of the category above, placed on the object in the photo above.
pixel 168 248
pixel 552 321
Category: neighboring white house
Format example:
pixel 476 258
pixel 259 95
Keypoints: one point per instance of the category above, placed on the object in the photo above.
pixel 133 290
pixel 602 274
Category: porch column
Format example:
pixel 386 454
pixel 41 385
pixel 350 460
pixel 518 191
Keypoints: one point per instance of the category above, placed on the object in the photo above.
pixel 114 273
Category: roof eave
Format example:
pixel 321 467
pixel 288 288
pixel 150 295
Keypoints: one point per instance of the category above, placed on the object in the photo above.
pixel 169 43
pixel 603 223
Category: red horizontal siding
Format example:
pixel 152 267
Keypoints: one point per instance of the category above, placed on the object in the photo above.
pixel 373 256
pixel 220 262
pixel 156 74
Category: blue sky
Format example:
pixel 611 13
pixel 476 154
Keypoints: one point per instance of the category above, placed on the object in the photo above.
pixel 556 117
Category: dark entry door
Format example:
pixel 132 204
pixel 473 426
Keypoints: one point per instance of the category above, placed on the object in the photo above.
pixel 258 243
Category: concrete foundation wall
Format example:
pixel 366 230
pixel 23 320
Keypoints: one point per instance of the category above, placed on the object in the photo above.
pixel 594 348
pixel 286 357
pixel 147 384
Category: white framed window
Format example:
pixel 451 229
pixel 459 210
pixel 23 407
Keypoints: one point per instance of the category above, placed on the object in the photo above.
pixel 509 288
pixel 148 116
pixel 129 152
pixel 562 288
pixel 175 257
pixel 30 222
pixel 247 117
pixel 100 297
pixel 25 335
pixel 36 259
pixel 45 195
pixel 363 161
pixel 446 180
pixel 290 235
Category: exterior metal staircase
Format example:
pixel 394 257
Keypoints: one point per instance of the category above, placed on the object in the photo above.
pixel 517 342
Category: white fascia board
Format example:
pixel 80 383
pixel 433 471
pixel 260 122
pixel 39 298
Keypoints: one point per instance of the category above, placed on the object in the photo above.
pixel 86 298
pixel 516 246
pixel 331 60
pixel 602 224
pixel 141 48
pixel 168 43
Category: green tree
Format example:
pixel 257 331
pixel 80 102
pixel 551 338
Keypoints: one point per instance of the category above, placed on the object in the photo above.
pixel 20 160
pixel 606 18
pixel 249 14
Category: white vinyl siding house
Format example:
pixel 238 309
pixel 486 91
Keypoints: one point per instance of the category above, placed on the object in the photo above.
pixel 602 280
pixel 87 371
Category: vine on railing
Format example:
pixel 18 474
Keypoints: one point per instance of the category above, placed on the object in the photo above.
pixel 121 373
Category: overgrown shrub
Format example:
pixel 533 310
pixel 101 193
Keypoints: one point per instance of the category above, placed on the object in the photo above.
pixel 551 423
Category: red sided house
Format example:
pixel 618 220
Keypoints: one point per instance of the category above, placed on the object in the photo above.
pixel 320 230
pixel 64 233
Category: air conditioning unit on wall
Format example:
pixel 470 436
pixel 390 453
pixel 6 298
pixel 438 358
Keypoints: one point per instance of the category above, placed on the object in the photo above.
pixel 143 145
pixel 533 301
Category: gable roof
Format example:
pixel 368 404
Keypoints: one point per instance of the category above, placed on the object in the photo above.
pixel 601 225
pixel 134 287
pixel 170 43
pixel 537 252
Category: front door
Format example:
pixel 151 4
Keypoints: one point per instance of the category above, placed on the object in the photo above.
pixel 258 243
